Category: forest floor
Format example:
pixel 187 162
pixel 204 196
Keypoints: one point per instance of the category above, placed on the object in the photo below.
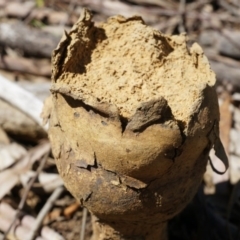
pixel 32 196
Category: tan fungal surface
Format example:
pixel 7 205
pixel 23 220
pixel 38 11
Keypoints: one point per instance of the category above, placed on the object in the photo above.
pixel 134 116
pixel 124 62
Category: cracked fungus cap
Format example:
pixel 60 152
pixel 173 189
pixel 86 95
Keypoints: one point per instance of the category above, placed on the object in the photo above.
pixel 130 101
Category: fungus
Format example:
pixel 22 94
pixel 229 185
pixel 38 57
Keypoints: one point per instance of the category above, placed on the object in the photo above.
pixel 134 116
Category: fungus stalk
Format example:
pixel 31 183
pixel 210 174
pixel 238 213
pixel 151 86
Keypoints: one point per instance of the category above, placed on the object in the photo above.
pixel 134 116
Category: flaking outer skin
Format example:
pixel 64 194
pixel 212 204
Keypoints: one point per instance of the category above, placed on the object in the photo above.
pixel 128 173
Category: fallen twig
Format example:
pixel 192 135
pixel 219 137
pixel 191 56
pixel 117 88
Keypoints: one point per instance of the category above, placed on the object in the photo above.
pixel 22 99
pixel 182 10
pixel 48 205
pixel 33 179
pixel 160 3
pixel 71 209
pixel 21 229
pixel 149 14
pixel 84 220
pixel 232 9
pixel 10 153
pixel 33 42
pixel 226 73
pixel 11 176
pixel 27 189
pixel 26 65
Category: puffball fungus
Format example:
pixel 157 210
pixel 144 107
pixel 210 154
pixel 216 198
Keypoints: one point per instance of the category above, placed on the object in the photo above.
pixel 135 114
